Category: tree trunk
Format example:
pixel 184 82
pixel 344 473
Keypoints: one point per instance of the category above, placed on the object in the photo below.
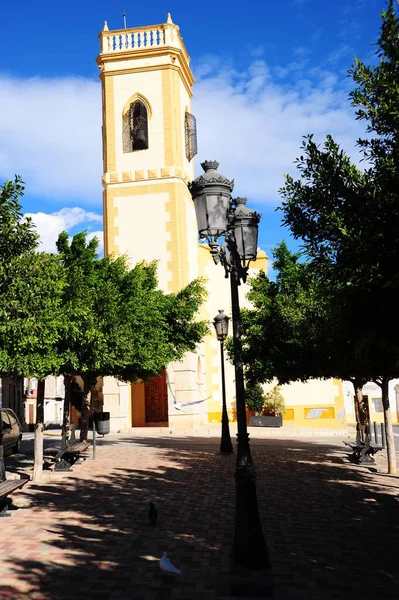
pixel 38 447
pixel 391 453
pixel 89 382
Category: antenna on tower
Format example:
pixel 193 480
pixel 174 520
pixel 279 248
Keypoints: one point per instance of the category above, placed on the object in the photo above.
pixel 124 19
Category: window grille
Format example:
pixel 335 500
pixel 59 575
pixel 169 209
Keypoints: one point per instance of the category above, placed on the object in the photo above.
pixel 190 131
pixel 135 128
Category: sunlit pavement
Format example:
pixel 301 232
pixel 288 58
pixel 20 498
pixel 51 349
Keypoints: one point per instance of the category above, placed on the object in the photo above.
pixel 331 527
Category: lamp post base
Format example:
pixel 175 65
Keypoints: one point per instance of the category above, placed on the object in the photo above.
pixel 226 447
pixel 225 452
pixel 249 546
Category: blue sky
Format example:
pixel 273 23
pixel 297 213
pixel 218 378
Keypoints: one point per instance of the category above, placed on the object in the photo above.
pixel 266 74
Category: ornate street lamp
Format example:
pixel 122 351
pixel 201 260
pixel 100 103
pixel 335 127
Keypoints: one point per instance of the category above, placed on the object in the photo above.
pixel 218 215
pixel 221 323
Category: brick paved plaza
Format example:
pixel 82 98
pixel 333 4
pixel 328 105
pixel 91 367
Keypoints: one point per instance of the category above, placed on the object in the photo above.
pixel 332 527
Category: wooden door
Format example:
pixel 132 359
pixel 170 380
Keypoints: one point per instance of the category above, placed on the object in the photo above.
pixel 156 399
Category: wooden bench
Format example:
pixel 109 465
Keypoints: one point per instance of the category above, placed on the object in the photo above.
pixel 68 453
pixel 73 452
pixel 362 451
pixel 6 488
pixel 351 444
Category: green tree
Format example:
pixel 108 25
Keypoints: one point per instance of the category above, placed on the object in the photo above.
pixel 284 331
pixel 255 398
pixel 119 323
pixel 298 328
pixel 332 208
pixel 18 235
pixel 348 218
pixel 29 303
pixel 30 327
pixel 274 402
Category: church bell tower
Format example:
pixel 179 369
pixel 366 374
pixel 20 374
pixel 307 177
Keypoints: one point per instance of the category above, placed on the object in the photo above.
pixel 149 142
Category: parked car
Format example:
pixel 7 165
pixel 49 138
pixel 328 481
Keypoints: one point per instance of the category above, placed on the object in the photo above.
pixel 12 431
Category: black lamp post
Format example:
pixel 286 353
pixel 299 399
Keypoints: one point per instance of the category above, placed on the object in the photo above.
pixel 2 466
pixel 221 323
pixel 218 215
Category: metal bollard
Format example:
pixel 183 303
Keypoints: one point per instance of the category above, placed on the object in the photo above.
pixel 94 440
pixel 382 435
pixel 375 433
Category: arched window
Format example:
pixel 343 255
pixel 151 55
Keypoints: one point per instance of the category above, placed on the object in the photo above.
pixel 135 127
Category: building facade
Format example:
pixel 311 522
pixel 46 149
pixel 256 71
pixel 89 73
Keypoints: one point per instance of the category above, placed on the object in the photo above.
pixel 149 143
pixel 148 146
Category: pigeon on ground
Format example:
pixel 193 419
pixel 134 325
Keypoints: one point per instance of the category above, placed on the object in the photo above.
pixel 152 514
pixel 167 566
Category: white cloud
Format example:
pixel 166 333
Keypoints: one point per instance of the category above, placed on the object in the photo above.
pixel 252 121
pixel 100 236
pixel 254 126
pixel 50 131
pixel 49 226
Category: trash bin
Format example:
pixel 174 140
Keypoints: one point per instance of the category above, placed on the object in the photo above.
pixel 101 419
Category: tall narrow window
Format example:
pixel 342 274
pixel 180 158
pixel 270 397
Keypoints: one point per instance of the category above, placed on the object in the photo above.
pixel 135 128
pixel 190 132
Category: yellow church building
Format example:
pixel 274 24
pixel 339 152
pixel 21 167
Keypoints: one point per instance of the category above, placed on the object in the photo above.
pixel 149 144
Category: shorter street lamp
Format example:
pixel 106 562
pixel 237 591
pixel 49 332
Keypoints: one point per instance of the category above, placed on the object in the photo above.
pixel 221 216
pixel 221 323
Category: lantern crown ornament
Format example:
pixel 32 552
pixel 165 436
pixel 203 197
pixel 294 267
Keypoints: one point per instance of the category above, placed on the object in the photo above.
pixel 211 176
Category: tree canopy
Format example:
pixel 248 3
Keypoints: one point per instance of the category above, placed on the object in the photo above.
pixel 74 313
pixel 31 312
pixel 119 322
pixel 334 311
pixel 31 283
pixel 284 331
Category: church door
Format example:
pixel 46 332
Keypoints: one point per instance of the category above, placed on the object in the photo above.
pixel 156 399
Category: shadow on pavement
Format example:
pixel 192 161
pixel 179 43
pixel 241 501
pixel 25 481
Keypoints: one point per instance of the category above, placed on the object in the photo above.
pixel 330 526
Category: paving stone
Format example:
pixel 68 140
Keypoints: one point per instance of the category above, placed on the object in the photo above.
pixel 330 526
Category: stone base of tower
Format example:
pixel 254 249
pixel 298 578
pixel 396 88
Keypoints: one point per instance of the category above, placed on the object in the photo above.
pixel 116 401
pixel 187 401
pixel 176 398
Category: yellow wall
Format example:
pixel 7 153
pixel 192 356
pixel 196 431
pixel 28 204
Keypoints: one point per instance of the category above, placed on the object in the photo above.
pixel 317 404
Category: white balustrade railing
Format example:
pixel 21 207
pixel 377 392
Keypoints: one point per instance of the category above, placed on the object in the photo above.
pixel 132 40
